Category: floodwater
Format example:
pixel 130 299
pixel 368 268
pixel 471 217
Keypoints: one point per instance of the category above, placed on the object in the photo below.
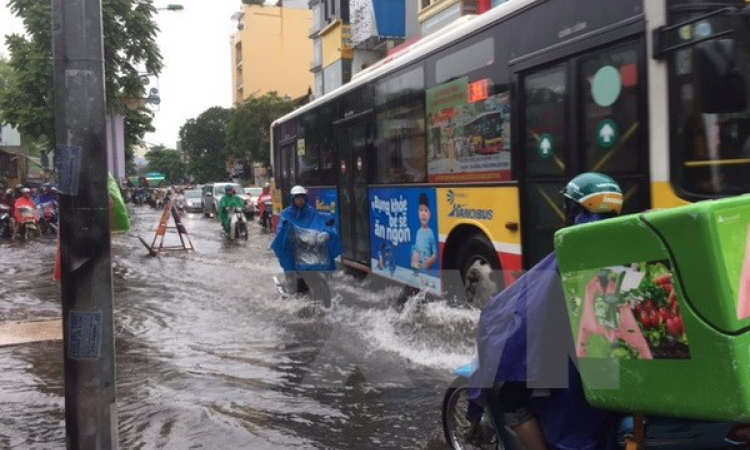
pixel 210 356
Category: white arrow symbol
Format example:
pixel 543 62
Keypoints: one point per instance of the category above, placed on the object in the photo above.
pixel 545 146
pixel 607 133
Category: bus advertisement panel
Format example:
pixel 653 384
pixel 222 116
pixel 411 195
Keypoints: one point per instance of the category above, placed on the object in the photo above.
pixel 325 202
pixel 404 238
pixel 468 133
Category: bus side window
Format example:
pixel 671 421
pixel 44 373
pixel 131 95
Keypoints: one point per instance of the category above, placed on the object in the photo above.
pixel 400 154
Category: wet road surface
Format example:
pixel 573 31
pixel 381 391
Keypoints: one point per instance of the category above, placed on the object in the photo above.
pixel 209 356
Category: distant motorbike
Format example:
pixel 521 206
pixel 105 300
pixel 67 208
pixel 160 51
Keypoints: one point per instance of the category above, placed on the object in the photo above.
pixel 29 223
pixel 47 217
pixel 265 217
pixel 310 256
pixel 237 224
pixel 490 433
pixel 140 198
pixel 6 231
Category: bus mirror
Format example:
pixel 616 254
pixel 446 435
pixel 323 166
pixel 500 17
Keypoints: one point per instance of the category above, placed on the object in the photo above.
pixel 720 84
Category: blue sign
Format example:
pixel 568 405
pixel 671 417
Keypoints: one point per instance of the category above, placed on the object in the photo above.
pixel 325 200
pixel 390 18
pixel 403 236
pixel 68 167
pixel 84 335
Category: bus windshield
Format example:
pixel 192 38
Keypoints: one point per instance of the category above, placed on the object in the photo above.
pixel 712 150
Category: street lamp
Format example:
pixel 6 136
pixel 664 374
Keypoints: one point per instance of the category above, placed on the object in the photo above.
pixel 171 7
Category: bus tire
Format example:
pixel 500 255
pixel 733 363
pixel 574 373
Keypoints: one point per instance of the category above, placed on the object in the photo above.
pixel 480 270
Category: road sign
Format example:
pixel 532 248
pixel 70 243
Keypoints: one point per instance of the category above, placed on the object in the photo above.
pixel 546 145
pixel 607 134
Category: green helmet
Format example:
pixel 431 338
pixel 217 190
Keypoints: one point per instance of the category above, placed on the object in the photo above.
pixel 595 192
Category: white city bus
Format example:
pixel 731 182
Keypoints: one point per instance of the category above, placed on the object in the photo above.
pixel 652 92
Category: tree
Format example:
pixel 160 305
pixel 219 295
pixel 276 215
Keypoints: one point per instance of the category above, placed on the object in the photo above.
pixel 5 72
pixel 253 2
pixel 129 49
pixel 166 161
pixel 204 141
pixel 248 131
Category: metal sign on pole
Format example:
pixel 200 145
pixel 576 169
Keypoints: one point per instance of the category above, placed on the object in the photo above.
pixel 86 264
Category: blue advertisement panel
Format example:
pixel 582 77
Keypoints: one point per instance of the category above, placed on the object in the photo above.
pixel 404 237
pixel 325 200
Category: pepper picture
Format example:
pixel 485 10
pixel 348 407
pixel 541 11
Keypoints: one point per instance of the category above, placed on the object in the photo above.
pixel 628 312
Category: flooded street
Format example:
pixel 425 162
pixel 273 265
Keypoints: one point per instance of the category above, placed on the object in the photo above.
pixel 210 356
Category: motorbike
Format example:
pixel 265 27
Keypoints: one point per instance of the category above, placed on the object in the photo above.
pixel 660 432
pixel 29 223
pixel 6 231
pixel 265 217
pixel 237 224
pixel 47 217
pixel 139 198
pixel 309 276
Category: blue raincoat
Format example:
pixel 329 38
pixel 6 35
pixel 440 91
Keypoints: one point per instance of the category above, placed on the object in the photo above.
pixel 524 335
pixel 304 217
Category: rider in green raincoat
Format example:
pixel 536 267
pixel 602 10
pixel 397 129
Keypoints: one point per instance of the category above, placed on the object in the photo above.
pixel 230 200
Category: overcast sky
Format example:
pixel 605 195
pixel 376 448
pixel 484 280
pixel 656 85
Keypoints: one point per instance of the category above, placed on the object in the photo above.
pixel 195 45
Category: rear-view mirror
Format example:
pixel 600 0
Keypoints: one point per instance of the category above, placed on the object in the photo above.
pixel 719 82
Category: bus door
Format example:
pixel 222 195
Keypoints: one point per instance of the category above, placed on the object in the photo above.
pixel 287 169
pixel 588 113
pixel 354 136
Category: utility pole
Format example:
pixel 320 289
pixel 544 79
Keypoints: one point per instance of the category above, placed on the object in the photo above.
pixel 86 284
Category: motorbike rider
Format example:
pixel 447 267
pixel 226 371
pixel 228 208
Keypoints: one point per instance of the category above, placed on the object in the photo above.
pixel 24 200
pixel 513 363
pixel 229 200
pixel 262 198
pixel 46 195
pixel 303 215
pixel 9 199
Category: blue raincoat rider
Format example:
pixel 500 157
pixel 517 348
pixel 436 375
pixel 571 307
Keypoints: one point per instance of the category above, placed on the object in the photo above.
pixel 524 343
pixel 302 214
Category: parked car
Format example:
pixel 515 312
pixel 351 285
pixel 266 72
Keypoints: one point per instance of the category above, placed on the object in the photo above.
pixel 212 193
pixel 252 196
pixel 193 201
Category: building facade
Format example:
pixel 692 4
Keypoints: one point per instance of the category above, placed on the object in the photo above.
pixel 435 14
pixel 271 51
pixel 330 33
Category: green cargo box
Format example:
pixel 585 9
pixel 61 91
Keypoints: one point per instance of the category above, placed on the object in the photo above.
pixel 659 305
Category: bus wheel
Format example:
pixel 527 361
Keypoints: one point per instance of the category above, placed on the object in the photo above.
pixel 480 270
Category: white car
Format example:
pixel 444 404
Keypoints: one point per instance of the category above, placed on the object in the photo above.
pixel 252 196
pixel 212 193
pixel 193 201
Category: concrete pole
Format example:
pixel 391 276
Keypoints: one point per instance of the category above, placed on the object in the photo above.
pixel 88 334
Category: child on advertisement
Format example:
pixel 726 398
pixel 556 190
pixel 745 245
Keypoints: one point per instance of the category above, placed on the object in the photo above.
pixel 424 252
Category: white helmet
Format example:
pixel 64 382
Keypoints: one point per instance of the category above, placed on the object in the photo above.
pixel 298 190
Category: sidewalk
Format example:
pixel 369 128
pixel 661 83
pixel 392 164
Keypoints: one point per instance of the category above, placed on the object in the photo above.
pixel 15 333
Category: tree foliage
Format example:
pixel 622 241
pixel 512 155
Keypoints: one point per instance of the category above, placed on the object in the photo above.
pixel 248 131
pixel 204 140
pixel 5 73
pixel 129 50
pixel 253 2
pixel 167 161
